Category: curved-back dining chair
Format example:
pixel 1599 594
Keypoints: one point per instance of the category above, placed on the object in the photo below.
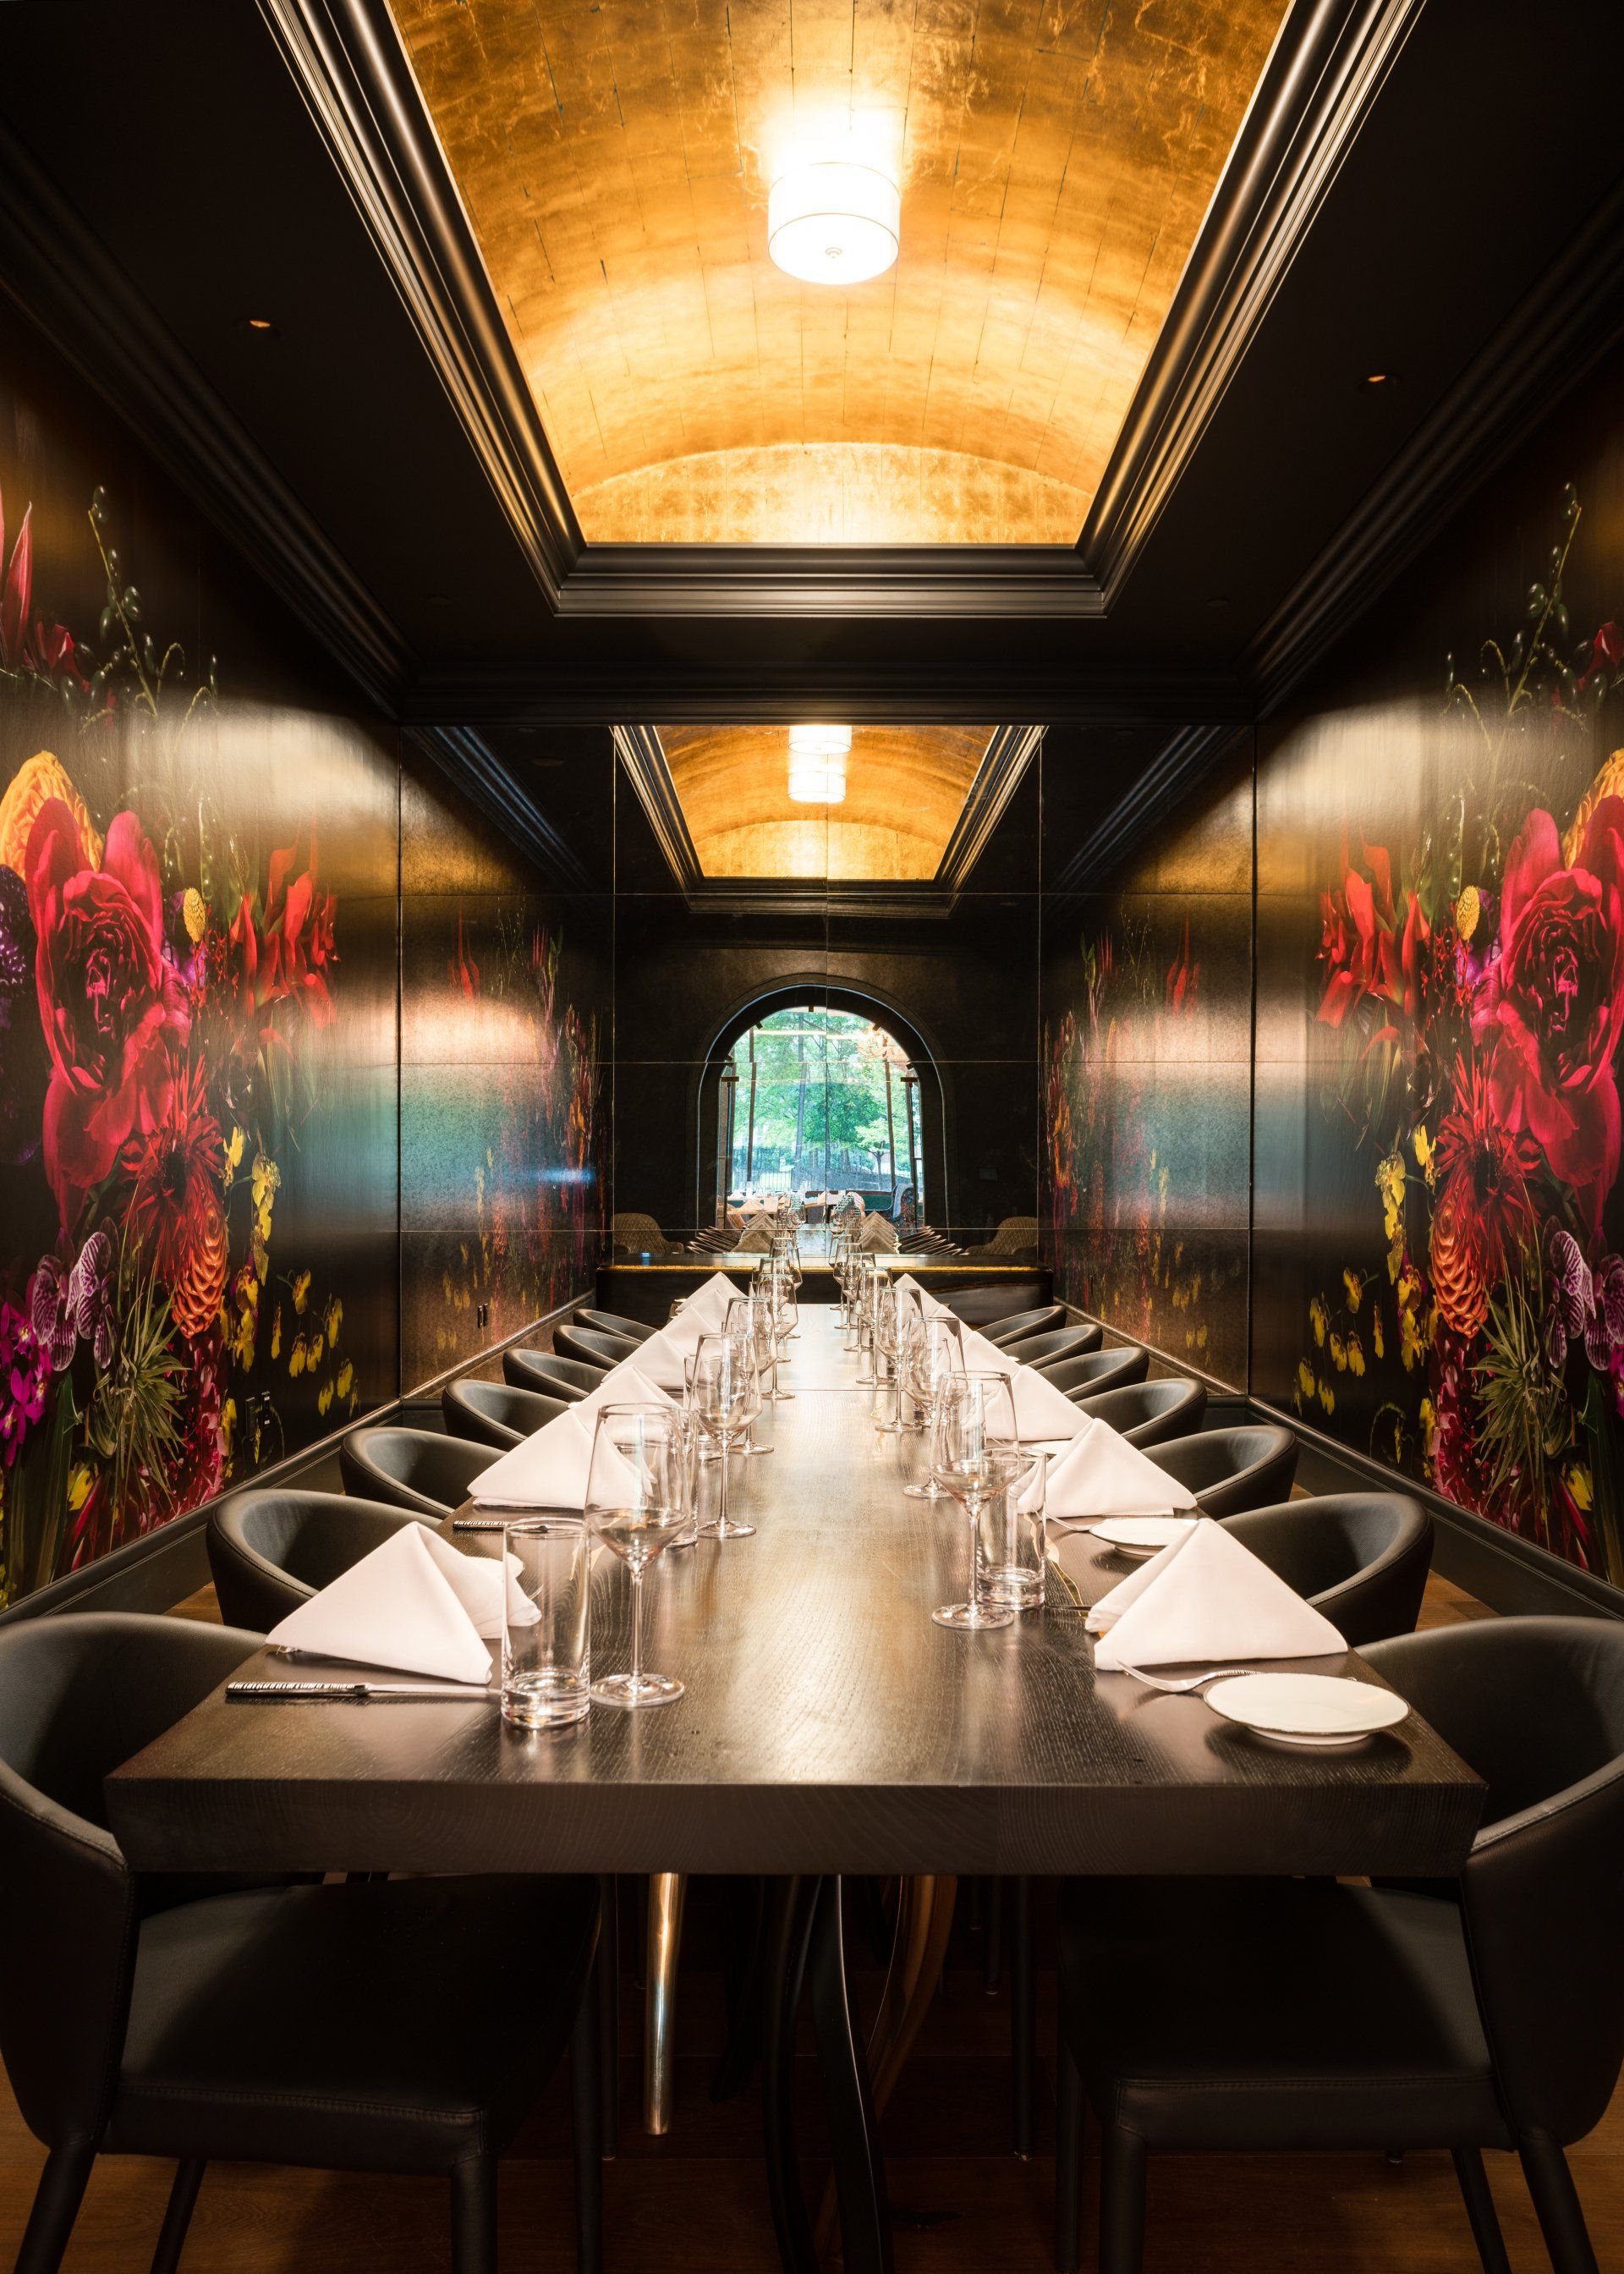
pixel 1228 1470
pixel 1039 1320
pixel 593 1347
pixel 1045 1351
pixel 1094 1372
pixel 411 1468
pixel 1362 1558
pixel 269 1550
pixel 568 1378
pixel 1150 1412
pixel 983 1306
pixel 1305 2014
pixel 612 1322
pixel 283 2023
pixel 492 1413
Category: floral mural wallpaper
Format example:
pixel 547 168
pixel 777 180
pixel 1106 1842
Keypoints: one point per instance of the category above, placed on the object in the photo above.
pixel 1466 999
pixel 203 938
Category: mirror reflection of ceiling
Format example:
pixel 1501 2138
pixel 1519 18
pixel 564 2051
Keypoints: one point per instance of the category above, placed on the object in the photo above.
pixel 905 788
pixel 1055 159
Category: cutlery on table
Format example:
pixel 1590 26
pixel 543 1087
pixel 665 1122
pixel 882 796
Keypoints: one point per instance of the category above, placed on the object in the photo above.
pixel 365 1693
pixel 1185 1682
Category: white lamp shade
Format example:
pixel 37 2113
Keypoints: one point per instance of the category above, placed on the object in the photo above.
pixel 811 784
pixel 819 741
pixel 834 222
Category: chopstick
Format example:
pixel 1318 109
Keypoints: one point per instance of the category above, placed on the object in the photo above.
pixel 364 1693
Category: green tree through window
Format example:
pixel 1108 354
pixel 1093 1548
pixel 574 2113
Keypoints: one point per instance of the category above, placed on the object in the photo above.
pixel 823 1099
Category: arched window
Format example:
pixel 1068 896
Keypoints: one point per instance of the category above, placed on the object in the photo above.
pixel 820 1100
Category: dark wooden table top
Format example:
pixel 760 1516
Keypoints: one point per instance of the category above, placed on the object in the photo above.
pixel 829 1726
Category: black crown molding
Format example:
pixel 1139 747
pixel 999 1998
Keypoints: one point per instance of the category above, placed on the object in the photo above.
pixel 67 284
pixel 1181 761
pixel 467 759
pixel 639 751
pixel 1325 72
pixel 1552 338
pixel 1007 756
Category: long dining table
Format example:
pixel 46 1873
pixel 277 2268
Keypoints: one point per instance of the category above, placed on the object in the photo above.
pixel 829 1730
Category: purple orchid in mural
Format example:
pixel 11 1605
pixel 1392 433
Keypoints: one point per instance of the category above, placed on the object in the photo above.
pixel 22 1039
pixel 67 1305
pixel 25 1380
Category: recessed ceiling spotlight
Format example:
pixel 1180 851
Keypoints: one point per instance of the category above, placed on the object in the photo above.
pixel 1374 379
pixel 261 326
pixel 1219 600
pixel 833 221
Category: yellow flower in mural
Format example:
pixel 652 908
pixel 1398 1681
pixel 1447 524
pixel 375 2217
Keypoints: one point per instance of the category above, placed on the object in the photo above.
pixel 1355 1355
pixel 333 1320
pixel 324 1400
pixel 1327 1397
pixel 1428 1419
pixel 41 779
pixel 194 914
pixel 1338 1353
pixel 227 1424
pixel 1377 1339
pixel 298 1356
pixel 1318 1319
pixel 1304 1377
pixel 1355 1286
pixel 300 1291
pixel 1390 1183
pixel 1608 783
pixel 234 1154
pixel 80 1478
pixel 1467 912
pixel 276 1332
pixel 1426 1152
pixel 1579 1485
pixel 346 1378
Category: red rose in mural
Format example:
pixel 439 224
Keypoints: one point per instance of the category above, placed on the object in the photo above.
pixel 1551 1007
pixel 105 996
pixel 1364 949
pixel 298 930
pixel 178 1160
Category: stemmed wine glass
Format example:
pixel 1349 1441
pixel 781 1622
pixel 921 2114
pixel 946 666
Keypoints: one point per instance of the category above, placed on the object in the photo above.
pixel 932 1360
pixel 726 1398
pixel 637 1504
pixel 747 1317
pixel 975 1453
pixel 888 1328
pixel 780 1295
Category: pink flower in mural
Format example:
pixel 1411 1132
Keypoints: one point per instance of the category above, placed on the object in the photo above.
pixel 178 1161
pixel 298 929
pixel 1550 1010
pixel 35 647
pixel 105 994
pixel 25 1380
pixel 1366 949
pixel 22 1044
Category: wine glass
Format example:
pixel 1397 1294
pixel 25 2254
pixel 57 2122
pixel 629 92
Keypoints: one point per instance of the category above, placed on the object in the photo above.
pixel 888 1328
pixel 932 1358
pixel 636 1505
pixel 726 1397
pixel 781 1296
pixel 743 1316
pixel 975 1453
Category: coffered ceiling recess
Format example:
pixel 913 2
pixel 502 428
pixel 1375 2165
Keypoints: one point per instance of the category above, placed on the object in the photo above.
pixel 1054 160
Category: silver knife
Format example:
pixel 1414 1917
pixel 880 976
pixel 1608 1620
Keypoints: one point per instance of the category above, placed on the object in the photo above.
pixel 357 1692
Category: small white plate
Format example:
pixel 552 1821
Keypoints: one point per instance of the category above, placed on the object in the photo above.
pixel 1142 1535
pixel 1307 1709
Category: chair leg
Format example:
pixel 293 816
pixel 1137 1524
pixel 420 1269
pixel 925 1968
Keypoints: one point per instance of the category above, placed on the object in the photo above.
pixel 1481 2211
pixel 1122 2202
pixel 1556 2205
pixel 586 2093
pixel 993 1955
pixel 1068 2159
pixel 1023 2016
pixel 606 1968
pixel 56 2200
pixel 666 1891
pixel 177 2217
pixel 473 2217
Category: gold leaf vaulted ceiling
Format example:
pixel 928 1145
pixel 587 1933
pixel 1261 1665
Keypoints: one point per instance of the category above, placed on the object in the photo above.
pixel 1055 159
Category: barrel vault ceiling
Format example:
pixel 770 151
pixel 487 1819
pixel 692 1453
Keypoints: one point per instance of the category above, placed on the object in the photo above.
pixel 1055 159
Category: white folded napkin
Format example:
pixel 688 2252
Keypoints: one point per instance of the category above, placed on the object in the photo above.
pixel 549 1470
pixel 415 1605
pixel 1101 1474
pixel 1206 1600
pixel 632 1382
pixel 1041 1410
pixel 710 1300
pixel 927 1301
pixel 876 1232
pixel 757 1240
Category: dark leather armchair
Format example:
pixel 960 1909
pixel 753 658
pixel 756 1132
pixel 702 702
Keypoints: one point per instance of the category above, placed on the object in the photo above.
pixel 1094 1372
pixel 1228 1470
pixel 568 1378
pixel 613 1322
pixel 1362 1558
pixel 593 1347
pixel 1303 2013
pixel 984 1307
pixel 411 1468
pixel 366 2026
pixel 1035 1321
pixel 270 1551
pixel 1149 1413
pixel 1052 1349
pixel 491 1413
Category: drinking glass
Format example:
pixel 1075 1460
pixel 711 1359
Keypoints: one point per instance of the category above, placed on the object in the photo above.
pixel 781 1294
pixel 726 1396
pixel 636 1506
pixel 1014 1538
pixel 933 1358
pixel 974 1454
pixel 547 1660
pixel 887 1327
pixel 743 1317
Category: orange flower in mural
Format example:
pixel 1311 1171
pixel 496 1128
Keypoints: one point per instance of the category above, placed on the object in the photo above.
pixel 1485 1213
pixel 42 778
pixel 178 1161
pixel 1460 1278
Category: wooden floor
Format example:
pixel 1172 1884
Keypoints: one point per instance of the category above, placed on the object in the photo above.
pixel 694 2204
